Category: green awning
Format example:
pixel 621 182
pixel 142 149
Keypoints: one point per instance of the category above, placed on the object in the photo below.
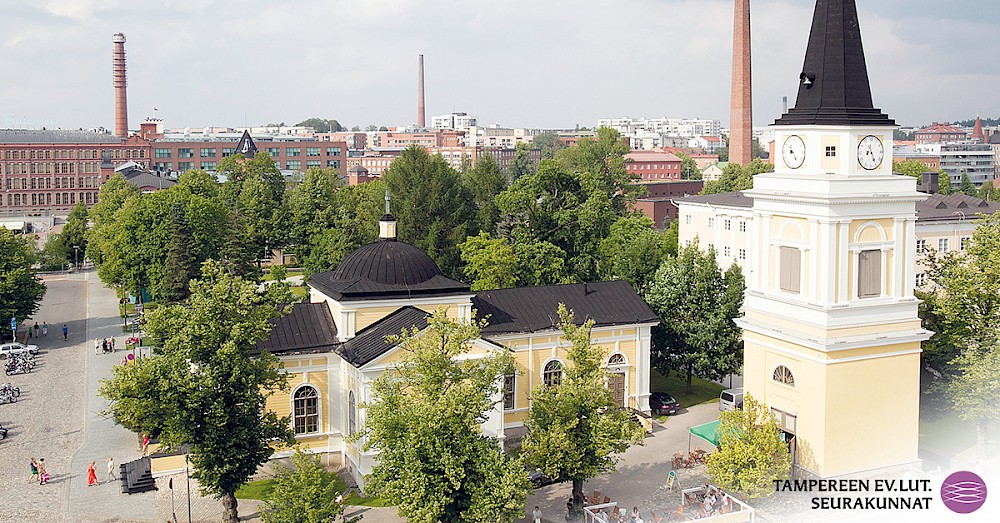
pixel 708 432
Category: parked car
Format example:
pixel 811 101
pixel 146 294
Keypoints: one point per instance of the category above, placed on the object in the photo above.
pixel 17 348
pixel 731 399
pixel 663 404
pixel 538 478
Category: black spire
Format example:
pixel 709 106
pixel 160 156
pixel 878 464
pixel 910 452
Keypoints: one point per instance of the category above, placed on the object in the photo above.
pixel 833 86
pixel 246 148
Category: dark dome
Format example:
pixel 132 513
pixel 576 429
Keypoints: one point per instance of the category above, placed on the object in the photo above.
pixel 388 263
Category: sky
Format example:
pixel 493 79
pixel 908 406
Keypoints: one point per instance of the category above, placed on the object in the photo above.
pixel 519 63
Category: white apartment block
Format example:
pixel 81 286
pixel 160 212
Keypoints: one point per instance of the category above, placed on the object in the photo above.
pixel 683 127
pixel 976 160
pixel 495 136
pixel 453 121
pixel 725 221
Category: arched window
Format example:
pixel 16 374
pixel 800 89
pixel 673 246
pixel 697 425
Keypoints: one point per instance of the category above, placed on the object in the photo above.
pixel 616 359
pixel 783 374
pixel 552 374
pixel 306 410
pixel 352 414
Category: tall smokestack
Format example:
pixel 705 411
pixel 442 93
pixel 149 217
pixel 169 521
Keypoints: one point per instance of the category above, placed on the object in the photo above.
pixel 421 121
pixel 741 117
pixel 121 104
pixel 784 104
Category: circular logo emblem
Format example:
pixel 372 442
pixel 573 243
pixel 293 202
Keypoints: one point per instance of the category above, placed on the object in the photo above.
pixel 963 492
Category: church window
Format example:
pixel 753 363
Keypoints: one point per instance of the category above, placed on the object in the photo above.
pixel 943 245
pixel 791 269
pixel 921 246
pixel 743 226
pixel 783 374
pixel 509 387
pixel 552 374
pixel 306 410
pixel 831 151
pixel 616 359
pixel 727 225
pixel 352 414
pixel 870 274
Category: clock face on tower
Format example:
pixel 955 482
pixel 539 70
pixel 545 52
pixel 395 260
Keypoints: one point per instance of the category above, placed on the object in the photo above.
pixel 793 152
pixel 870 152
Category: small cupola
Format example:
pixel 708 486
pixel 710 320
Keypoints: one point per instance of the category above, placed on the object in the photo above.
pixel 387 223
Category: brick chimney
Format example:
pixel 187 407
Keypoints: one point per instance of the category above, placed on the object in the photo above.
pixel 741 116
pixel 421 117
pixel 121 104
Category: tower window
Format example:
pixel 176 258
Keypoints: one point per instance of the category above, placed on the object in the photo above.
pixel 870 274
pixel 831 151
pixel 306 410
pixel 783 374
pixel 791 269
pixel 509 383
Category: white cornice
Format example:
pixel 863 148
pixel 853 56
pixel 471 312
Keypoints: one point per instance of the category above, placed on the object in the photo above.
pixel 835 344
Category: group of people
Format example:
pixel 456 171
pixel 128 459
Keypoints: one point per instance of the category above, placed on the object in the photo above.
pixel 105 345
pixel 39 474
pixel 33 331
pixel 714 499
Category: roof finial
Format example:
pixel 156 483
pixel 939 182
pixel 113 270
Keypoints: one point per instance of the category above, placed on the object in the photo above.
pixel 387 224
pixel 387 201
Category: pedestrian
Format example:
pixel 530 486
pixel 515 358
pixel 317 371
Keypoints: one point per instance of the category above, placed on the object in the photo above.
pixel 91 474
pixel 43 475
pixel 104 345
pixel 145 444
pixel 111 469
pixel 34 470
pixel 29 333
pixel 36 329
pixel 65 332
pixel 45 329
pixel 536 515
pixel 112 345
pixel 633 515
pixel 97 346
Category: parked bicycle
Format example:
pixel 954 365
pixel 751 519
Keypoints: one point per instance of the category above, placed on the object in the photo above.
pixel 8 397
pixel 18 364
pixel 8 388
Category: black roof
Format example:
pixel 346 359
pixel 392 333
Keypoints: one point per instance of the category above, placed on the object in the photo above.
pixel 370 342
pixel 386 269
pixel 834 87
pixel 308 328
pixel 532 309
pixel 728 199
pixel 148 179
pixel 245 147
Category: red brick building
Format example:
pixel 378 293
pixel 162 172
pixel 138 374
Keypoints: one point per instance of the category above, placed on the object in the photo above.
pixel 179 155
pixel 940 133
pixel 653 166
pixel 658 204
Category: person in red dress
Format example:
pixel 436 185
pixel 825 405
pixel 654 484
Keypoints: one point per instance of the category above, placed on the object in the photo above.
pixel 91 474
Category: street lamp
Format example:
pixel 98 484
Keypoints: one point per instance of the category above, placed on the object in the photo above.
pixel 186 473
pixel 76 256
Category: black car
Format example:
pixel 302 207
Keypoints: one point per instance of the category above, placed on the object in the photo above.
pixel 663 404
pixel 538 478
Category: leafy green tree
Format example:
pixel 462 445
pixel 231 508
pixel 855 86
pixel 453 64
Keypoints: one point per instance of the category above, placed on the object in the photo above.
pixel 355 213
pixel 304 493
pixel 110 199
pixel 434 210
pixel 434 461
pixel 21 291
pixel 549 143
pixel 989 192
pixel 485 181
pixel 751 455
pixel 254 190
pixel 312 208
pixel 632 251
pixel 53 256
pixel 696 303
pixel 74 233
pixel 575 429
pixel 736 177
pixel 179 263
pixel 489 262
pixel 521 165
pixel 671 237
pixel 204 387
pixel 689 167
pixel 944 184
pixel 966 187
pixel 321 125
pixel 912 168
pixel 975 384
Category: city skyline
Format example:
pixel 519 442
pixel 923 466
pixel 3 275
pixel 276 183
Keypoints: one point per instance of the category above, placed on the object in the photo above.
pixel 206 63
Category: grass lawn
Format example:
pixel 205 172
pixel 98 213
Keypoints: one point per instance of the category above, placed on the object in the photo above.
pixel 130 307
pixel 288 273
pixel 702 391
pixel 301 291
pixel 261 490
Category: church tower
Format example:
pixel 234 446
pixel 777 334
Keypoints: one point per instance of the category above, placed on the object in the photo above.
pixel 832 337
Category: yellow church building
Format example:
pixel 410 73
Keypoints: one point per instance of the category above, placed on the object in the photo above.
pixel 335 346
pixel 831 333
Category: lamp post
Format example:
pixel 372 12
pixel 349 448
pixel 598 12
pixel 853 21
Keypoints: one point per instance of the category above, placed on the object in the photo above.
pixel 76 256
pixel 186 473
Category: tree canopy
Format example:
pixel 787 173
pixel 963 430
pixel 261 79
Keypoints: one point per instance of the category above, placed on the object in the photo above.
pixel 434 461
pixel 204 387
pixel 632 251
pixel 736 177
pixel 751 454
pixel 575 429
pixel 484 182
pixel 696 303
pixel 21 291
pixel 304 493
pixel 322 125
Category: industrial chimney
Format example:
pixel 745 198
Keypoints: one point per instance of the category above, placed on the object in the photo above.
pixel 121 104
pixel 421 121
pixel 741 119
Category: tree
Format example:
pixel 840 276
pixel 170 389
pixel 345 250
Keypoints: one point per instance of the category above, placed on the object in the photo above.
pixel 966 187
pixel 485 181
pixel 989 192
pixel 912 168
pixel 74 233
pixel 303 493
pixel 353 222
pixel 671 238
pixel 204 387
pixel 575 429
pixel 549 143
pixel 632 251
pixel 975 385
pixel 689 167
pixel 751 455
pixel 110 199
pixel 489 262
pixel 521 165
pixel 736 177
pixel 696 303
pixel 434 461
pixel 179 263
pixel 321 125
pixel 254 189
pixel 21 291
pixel 434 210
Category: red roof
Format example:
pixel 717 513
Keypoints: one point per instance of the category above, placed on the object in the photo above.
pixel 941 128
pixel 651 156
pixel 712 139
pixel 977 131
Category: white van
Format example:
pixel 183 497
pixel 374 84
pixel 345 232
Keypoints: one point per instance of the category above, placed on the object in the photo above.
pixel 731 399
